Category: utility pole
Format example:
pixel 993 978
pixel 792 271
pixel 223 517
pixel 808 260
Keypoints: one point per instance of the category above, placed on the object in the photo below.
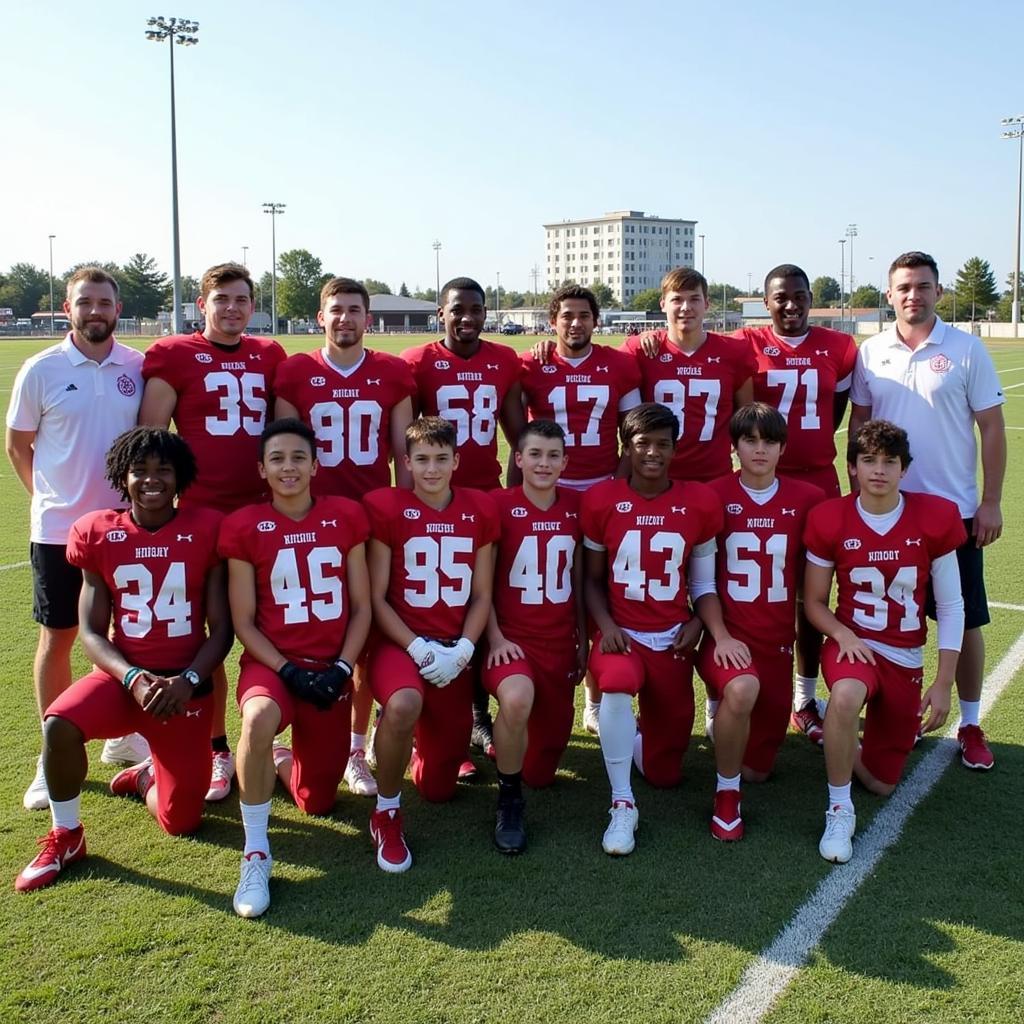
pixel 275 210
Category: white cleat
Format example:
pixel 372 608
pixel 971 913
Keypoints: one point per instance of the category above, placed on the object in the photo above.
pixel 619 835
pixel 591 720
pixel 130 749
pixel 358 776
pixel 252 897
pixel 221 773
pixel 837 840
pixel 37 797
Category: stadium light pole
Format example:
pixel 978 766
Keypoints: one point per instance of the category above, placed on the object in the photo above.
pixel 275 210
pixel 497 298
pixel 437 271
pixel 842 277
pixel 182 32
pixel 701 237
pixel 1015 130
pixel 245 254
pixel 851 234
pixel 51 237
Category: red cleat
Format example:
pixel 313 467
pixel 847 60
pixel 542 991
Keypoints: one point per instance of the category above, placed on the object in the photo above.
pixel 808 721
pixel 134 781
pixel 726 823
pixel 974 751
pixel 61 847
pixel 386 832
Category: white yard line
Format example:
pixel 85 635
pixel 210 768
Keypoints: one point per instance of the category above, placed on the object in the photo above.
pixel 1006 607
pixel 1013 369
pixel 15 565
pixel 771 973
pixel 1010 387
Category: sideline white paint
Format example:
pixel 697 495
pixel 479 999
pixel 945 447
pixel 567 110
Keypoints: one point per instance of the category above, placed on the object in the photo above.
pixel 1006 607
pixel 770 974
pixel 15 565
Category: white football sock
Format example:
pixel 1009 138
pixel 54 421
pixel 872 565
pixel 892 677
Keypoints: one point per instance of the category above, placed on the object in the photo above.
pixel 840 796
pixel 255 818
pixel 970 712
pixel 638 751
pixel 804 689
pixel 724 784
pixel 618 730
pixel 65 813
pixel 711 707
pixel 358 742
pixel 389 803
pixel 592 705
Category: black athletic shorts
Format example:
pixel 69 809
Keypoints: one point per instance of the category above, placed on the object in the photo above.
pixel 55 586
pixel 972 583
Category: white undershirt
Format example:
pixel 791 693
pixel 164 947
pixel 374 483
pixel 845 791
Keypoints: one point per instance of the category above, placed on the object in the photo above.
pixel 345 371
pixel 762 497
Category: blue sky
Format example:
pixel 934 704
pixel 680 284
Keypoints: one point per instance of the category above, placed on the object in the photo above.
pixel 774 126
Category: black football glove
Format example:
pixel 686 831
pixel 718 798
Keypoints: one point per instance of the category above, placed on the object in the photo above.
pixel 330 685
pixel 300 681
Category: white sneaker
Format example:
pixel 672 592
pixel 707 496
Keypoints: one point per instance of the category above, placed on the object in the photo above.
pixel 709 723
pixel 358 776
pixel 591 719
pixel 252 897
pixel 37 797
pixel 837 841
pixel 221 774
pixel 618 836
pixel 370 752
pixel 130 749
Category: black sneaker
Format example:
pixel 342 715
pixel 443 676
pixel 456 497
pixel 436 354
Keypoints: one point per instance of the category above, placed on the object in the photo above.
pixel 482 736
pixel 509 833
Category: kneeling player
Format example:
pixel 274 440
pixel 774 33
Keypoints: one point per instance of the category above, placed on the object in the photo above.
pixel 154 573
pixel 650 549
pixel 430 573
pixel 759 560
pixel 300 601
pixel 536 636
pixel 883 546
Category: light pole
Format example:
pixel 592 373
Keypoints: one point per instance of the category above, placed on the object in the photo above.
pixel 1016 132
pixel 245 254
pixel 182 32
pixel 851 234
pixel 437 271
pixel 275 210
pixel 51 237
pixel 701 237
pixel 749 278
pixel 497 299
pixel 842 277
pixel 535 273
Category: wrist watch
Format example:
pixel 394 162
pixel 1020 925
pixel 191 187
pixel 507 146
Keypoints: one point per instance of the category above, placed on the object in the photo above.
pixel 191 676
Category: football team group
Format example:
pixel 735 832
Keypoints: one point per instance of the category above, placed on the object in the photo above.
pixel 341 513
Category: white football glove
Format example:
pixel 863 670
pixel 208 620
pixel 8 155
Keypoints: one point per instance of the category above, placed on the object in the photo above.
pixel 420 651
pixel 448 662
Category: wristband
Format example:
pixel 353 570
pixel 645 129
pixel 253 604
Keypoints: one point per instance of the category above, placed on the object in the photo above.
pixel 344 665
pixel 130 677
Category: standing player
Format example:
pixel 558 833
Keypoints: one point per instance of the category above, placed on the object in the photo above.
pixel 300 603
pixel 151 572
pixel 884 546
pixel 805 372
pixel 536 635
pixel 650 551
pixel 702 377
pixel 937 383
pixel 759 564
pixel 77 397
pixel 215 384
pixel 474 384
pixel 431 567
pixel 358 403
pixel 586 389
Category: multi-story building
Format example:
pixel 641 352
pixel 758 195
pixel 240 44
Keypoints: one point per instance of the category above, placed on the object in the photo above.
pixel 628 250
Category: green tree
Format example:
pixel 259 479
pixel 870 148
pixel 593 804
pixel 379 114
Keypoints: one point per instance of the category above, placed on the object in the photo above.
pixel 23 285
pixel 825 290
pixel 377 287
pixel 300 276
pixel 1004 311
pixel 976 288
pixel 145 289
pixel 646 300
pixel 865 295
pixel 715 290
pixel 189 288
pixel 604 295
pixel 404 291
pixel 948 307
pixel 425 294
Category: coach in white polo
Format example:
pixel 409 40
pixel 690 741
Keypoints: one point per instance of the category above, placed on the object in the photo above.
pixel 68 404
pixel 937 383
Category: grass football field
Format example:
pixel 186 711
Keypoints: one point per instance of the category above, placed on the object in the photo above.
pixel 143 930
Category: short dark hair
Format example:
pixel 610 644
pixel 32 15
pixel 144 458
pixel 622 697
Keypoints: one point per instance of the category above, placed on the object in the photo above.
pixel 548 429
pixel 879 437
pixel 572 291
pixel 137 444
pixel 914 258
pixel 94 275
pixel 431 430
pixel 288 425
pixel 683 279
pixel 344 286
pixel 461 284
pixel 648 416
pixel 758 418
pixel 224 273
pixel 784 270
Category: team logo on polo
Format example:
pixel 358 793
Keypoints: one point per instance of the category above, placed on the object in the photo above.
pixel 204 357
pixel 771 350
pixel 666 357
pixel 266 526
pixel 318 382
pixel 940 363
pixel 734 509
pixel 442 364
pixel 548 368
pixel 852 544
pixel 126 385
pixel 411 513
pixel 116 535
pixel 519 512
pixel 624 506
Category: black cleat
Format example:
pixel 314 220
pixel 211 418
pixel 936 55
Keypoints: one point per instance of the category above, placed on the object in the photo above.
pixel 509 833
pixel 482 736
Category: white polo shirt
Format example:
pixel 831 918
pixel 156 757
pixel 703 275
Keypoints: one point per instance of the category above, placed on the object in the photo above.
pixel 932 392
pixel 76 407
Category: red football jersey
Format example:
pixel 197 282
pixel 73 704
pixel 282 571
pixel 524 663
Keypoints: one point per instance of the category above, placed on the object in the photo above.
pixel 586 400
pixel 760 560
pixel 433 554
pixel 533 584
pixel 649 542
pixel 469 393
pixel 301 572
pixel 801 383
pixel 156 578
pixel 351 415
pixel 700 388
pixel 883 579
pixel 223 398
